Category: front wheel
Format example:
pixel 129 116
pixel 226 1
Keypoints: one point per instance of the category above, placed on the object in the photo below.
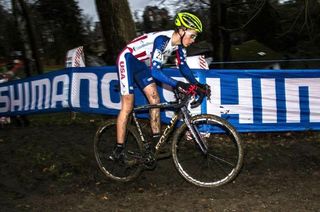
pixel 125 169
pixel 223 159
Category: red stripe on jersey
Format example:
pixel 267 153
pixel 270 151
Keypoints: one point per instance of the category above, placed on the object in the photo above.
pixel 130 49
pixel 142 54
pixel 178 58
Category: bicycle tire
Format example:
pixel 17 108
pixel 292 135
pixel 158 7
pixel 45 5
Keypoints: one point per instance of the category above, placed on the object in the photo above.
pixel 224 148
pixel 104 142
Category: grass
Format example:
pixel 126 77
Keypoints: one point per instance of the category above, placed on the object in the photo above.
pixel 66 118
pixel 52 68
pixel 249 51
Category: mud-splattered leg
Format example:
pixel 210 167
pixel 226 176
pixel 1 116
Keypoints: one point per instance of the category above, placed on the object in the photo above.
pixel 153 98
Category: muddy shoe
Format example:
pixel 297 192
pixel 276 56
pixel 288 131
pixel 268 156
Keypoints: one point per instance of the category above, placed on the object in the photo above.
pixel 117 153
pixel 120 156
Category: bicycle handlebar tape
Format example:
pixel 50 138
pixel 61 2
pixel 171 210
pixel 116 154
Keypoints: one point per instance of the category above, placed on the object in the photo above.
pixel 198 102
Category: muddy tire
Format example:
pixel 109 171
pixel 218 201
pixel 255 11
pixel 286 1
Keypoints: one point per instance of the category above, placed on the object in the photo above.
pixel 104 142
pixel 224 156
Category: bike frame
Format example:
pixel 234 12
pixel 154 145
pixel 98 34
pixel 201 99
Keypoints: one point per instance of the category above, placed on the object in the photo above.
pixel 180 108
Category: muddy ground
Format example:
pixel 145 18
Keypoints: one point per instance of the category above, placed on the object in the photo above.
pixel 50 166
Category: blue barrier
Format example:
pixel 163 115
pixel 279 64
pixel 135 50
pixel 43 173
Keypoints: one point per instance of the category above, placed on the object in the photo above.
pixel 252 100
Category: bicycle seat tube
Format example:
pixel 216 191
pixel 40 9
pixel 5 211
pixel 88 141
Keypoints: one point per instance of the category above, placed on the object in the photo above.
pixel 138 126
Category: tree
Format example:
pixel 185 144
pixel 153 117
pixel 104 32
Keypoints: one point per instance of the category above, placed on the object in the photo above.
pixel 9 36
pixel 60 26
pixel 220 37
pixel 300 23
pixel 117 26
pixel 26 28
pixel 265 26
pixel 155 19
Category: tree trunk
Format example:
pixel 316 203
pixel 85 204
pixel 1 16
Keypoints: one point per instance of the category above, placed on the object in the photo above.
pixel 220 38
pixel 27 28
pixel 225 34
pixel 117 26
pixel 216 38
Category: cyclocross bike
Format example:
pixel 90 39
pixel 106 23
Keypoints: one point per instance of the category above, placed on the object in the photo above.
pixel 206 149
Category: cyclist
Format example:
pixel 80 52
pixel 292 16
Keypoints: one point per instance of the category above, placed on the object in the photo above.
pixel 154 47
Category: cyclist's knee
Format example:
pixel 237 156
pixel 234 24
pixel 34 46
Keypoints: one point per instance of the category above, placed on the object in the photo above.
pixel 126 108
pixel 127 102
pixel 125 111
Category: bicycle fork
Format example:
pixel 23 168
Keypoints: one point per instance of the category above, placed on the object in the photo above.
pixel 194 131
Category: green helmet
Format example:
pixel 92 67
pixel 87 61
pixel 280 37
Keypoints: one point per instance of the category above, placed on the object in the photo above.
pixel 189 21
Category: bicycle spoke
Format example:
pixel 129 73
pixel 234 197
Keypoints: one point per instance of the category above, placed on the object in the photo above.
pixel 221 160
pixel 188 157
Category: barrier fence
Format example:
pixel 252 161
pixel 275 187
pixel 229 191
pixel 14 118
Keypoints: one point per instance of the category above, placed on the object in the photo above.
pixel 252 100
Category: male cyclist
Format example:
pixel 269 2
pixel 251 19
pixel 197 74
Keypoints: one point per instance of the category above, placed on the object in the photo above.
pixel 154 47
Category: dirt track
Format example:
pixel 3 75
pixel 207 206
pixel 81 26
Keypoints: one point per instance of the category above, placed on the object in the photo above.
pixel 51 167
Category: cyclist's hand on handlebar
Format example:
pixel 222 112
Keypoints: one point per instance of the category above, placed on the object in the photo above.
pixel 185 88
pixel 192 90
pixel 205 89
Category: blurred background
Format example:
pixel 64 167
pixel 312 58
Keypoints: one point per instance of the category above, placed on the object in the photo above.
pixel 238 34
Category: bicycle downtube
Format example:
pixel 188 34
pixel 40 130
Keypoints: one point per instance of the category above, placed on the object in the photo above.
pixel 167 131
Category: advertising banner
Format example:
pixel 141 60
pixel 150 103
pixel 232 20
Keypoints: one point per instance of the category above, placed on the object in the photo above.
pixel 252 100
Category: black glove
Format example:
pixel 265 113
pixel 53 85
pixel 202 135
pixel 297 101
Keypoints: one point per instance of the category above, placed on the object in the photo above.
pixel 191 89
pixel 205 88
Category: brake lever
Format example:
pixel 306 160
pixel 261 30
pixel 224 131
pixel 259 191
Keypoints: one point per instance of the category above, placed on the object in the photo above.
pixel 197 102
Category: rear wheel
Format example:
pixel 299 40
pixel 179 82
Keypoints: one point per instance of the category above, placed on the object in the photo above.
pixel 126 168
pixel 224 156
